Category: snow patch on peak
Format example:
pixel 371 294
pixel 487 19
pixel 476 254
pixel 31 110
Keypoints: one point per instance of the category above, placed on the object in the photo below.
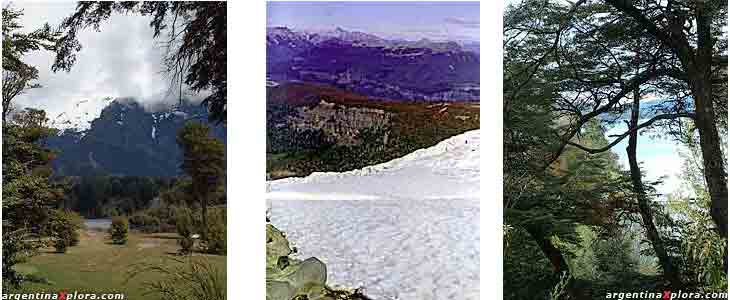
pixel 79 115
pixel 448 170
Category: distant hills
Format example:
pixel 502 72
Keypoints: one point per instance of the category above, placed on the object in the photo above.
pixel 319 128
pixel 127 139
pixel 366 64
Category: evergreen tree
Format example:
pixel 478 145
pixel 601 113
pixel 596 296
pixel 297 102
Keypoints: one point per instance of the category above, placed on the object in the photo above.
pixel 204 161
pixel 28 195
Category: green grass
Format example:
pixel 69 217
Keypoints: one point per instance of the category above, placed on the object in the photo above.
pixel 97 265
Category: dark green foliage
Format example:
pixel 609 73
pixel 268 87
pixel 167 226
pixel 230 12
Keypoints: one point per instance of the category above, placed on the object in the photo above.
pixel 17 43
pixel 18 76
pixel 106 196
pixel 186 226
pixel 203 157
pixel 64 228
pixel 28 196
pixel 568 70
pixel 17 248
pixel 145 222
pixel 702 250
pixel 527 273
pixel 196 38
pixel 119 230
pixel 205 162
pixel 161 217
pixel 217 239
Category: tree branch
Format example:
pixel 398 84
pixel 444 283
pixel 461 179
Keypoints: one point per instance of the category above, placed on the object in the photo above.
pixel 620 137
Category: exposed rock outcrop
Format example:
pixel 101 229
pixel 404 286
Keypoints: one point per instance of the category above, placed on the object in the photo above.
pixel 288 278
pixel 340 124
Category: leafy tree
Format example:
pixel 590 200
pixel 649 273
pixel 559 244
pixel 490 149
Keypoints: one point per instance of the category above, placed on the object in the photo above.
pixel 571 69
pixel 204 161
pixel 194 34
pixel 599 52
pixel 693 32
pixel 29 197
pixel 18 76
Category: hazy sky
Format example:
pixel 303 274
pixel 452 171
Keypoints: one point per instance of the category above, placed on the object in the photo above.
pixel 457 21
pixel 120 61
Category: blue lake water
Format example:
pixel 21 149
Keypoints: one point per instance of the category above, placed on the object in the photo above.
pixel 98 224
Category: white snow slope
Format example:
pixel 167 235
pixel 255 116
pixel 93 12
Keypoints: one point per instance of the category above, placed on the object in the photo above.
pixel 448 170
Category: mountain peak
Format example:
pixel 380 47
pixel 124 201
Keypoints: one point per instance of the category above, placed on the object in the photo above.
pixel 124 133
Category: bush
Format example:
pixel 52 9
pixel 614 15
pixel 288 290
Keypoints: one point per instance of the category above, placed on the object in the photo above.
pixel 17 247
pixel 215 242
pixel 77 222
pixel 64 229
pixel 185 224
pixel 119 230
pixel 145 222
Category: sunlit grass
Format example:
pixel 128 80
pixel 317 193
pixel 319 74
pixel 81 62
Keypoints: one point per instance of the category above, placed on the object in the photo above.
pixel 97 264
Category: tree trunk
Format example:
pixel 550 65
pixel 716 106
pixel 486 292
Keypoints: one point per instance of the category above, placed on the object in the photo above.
pixel 204 211
pixel 552 253
pixel 699 71
pixel 697 64
pixel 670 273
pixel 713 159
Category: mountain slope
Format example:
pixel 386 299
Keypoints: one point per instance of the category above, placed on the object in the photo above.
pixel 449 169
pixel 127 139
pixel 314 128
pixel 372 66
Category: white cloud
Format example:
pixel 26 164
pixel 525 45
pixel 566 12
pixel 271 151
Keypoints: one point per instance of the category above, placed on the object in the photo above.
pixel 122 60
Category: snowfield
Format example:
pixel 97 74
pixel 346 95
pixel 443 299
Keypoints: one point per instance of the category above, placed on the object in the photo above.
pixel 450 169
pixel 407 229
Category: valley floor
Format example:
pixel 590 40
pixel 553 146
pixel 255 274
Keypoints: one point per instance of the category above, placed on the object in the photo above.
pixel 97 265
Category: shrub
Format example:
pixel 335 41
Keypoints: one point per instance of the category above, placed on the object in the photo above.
pixel 64 228
pixel 145 222
pixel 215 242
pixel 186 226
pixel 119 230
pixel 77 222
pixel 17 247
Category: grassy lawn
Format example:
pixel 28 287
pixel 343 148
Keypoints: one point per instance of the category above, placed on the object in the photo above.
pixel 97 265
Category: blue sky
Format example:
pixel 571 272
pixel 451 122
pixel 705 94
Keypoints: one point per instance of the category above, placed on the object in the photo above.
pixel 657 156
pixel 457 21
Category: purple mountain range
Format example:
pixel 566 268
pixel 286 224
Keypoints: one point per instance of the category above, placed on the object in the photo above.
pixel 373 66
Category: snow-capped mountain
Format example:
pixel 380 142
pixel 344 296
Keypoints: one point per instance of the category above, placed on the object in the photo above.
pixel 370 65
pixel 80 115
pixel 448 170
pixel 127 139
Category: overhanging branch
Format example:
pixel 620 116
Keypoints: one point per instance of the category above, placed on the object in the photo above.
pixel 620 137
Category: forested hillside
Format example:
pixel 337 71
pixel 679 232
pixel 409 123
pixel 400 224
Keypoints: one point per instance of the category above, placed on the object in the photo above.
pixel 314 128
